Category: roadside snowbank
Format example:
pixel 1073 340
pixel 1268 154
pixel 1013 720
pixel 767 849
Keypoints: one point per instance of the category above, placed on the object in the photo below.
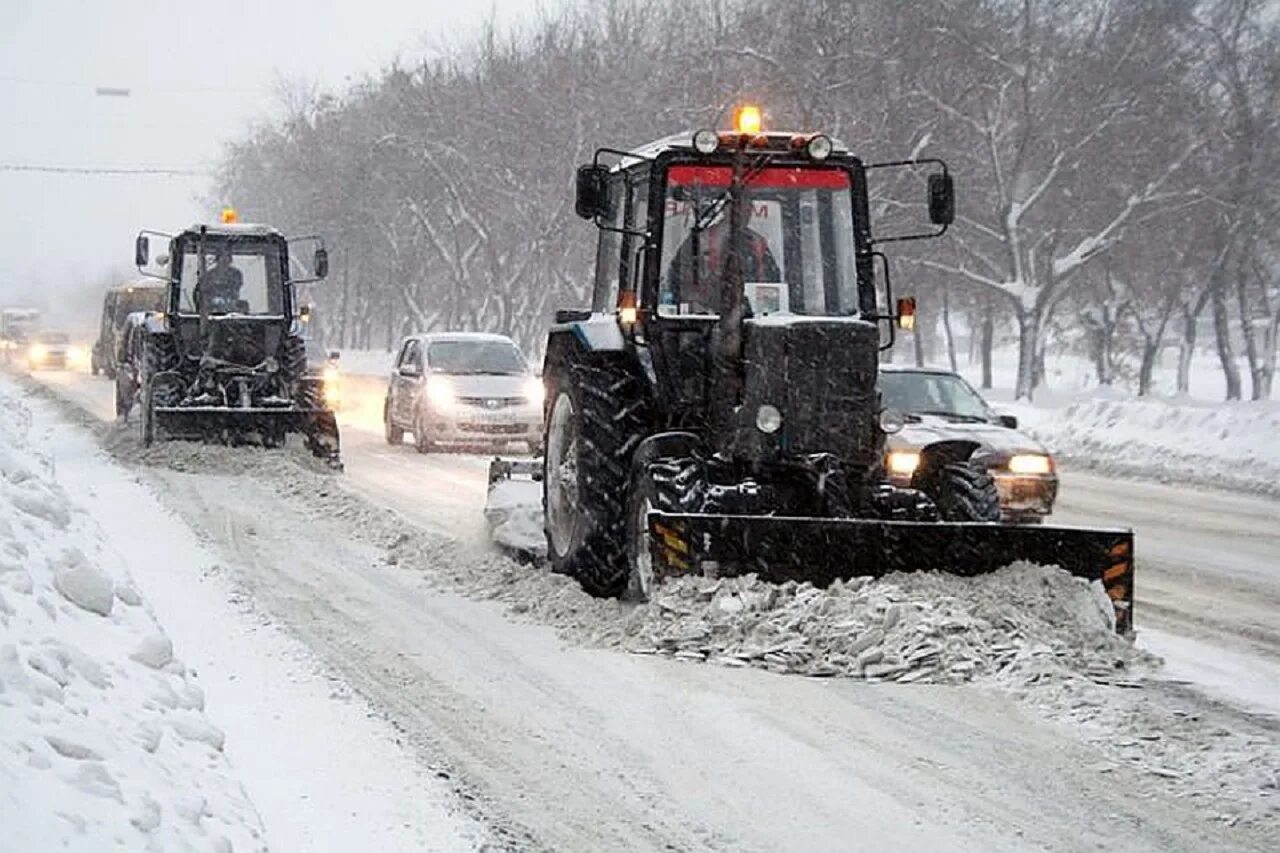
pixel 1217 444
pixel 102 730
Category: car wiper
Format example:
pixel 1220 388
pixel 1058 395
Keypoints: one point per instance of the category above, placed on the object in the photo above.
pixel 704 219
pixel 973 419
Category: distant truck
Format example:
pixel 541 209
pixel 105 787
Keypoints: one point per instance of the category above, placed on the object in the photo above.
pixel 17 327
pixel 117 305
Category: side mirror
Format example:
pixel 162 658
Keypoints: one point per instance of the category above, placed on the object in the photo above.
pixel 592 198
pixel 334 355
pixel 321 264
pixel 410 370
pixel 1007 421
pixel 141 251
pixel 906 313
pixel 942 199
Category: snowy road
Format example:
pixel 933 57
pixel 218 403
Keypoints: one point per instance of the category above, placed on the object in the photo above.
pixel 582 749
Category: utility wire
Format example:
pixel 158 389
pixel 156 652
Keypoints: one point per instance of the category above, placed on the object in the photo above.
pixel 88 170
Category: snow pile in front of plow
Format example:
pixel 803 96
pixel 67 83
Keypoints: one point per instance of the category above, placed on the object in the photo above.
pixel 1016 625
pixel 103 738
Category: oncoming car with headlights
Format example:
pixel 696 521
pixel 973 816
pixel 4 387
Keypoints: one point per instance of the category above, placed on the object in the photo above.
pixel 940 408
pixel 462 390
pixel 53 351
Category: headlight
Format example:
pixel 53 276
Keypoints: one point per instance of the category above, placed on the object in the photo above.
pixel 706 141
pixel 892 421
pixel 534 391
pixel 819 147
pixel 332 382
pixel 38 352
pixel 903 462
pixel 1030 463
pixel 768 419
pixel 440 394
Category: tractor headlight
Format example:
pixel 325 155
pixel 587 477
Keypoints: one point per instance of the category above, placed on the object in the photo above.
pixel 534 392
pixel 819 147
pixel 706 141
pixel 768 419
pixel 440 394
pixel 1030 463
pixel 903 462
pixel 892 421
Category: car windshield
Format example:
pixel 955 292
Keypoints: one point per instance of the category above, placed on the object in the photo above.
pixel 234 277
pixel 464 357
pixel 932 394
pixel 797 253
pixel 54 337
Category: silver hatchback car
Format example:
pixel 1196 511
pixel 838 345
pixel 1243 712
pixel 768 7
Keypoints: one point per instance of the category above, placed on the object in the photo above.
pixel 463 390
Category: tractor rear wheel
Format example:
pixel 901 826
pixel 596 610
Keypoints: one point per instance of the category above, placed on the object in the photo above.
pixel 966 491
pixel 597 416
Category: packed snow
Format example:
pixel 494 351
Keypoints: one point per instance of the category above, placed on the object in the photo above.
pixel 1230 445
pixel 1032 632
pixel 103 730
pixel 277 708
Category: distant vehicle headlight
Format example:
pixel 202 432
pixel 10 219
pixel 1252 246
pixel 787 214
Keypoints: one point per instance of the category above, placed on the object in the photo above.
pixel 440 394
pixel 1030 463
pixel 332 383
pixel 38 352
pixel 534 391
pixel 903 462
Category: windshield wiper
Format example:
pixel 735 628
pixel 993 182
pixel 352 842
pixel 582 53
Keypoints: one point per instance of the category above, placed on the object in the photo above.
pixel 704 219
pixel 973 419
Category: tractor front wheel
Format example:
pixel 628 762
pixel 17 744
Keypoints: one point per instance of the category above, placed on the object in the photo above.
pixel 596 418
pixel 966 491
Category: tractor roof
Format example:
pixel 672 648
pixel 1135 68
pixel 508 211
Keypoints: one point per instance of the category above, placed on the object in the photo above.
pixel 235 230
pixel 683 141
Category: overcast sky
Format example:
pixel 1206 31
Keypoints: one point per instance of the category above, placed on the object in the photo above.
pixel 199 75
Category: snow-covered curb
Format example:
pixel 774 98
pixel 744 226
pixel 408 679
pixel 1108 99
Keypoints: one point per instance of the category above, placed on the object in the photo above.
pixel 1230 445
pixel 102 729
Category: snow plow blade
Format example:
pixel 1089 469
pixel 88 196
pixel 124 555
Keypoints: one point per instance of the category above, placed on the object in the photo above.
pixel 220 424
pixel 513 508
pixel 822 550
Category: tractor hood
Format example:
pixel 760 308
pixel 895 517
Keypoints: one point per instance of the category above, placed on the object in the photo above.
pixel 932 429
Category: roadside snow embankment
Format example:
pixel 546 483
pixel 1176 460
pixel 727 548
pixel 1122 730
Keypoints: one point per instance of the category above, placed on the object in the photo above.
pixel 1216 444
pixel 103 739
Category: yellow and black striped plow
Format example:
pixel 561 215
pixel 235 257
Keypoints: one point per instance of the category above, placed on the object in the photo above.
pixel 821 550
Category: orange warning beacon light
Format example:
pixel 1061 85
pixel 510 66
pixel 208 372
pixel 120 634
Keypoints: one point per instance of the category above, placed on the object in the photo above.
pixel 229 216
pixel 748 120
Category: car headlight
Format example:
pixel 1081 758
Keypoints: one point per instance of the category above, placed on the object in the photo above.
pixel 332 384
pixel 535 392
pixel 903 462
pixel 1030 463
pixel 440 394
pixel 38 352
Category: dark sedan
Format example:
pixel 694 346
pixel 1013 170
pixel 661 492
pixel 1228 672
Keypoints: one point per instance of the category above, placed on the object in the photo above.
pixel 940 406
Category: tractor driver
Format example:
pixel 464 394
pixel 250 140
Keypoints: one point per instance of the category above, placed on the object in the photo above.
pixel 701 292
pixel 219 287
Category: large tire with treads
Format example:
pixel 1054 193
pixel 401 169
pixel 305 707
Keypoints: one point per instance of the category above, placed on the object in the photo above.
pixel 966 491
pixel 667 484
pixel 597 414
